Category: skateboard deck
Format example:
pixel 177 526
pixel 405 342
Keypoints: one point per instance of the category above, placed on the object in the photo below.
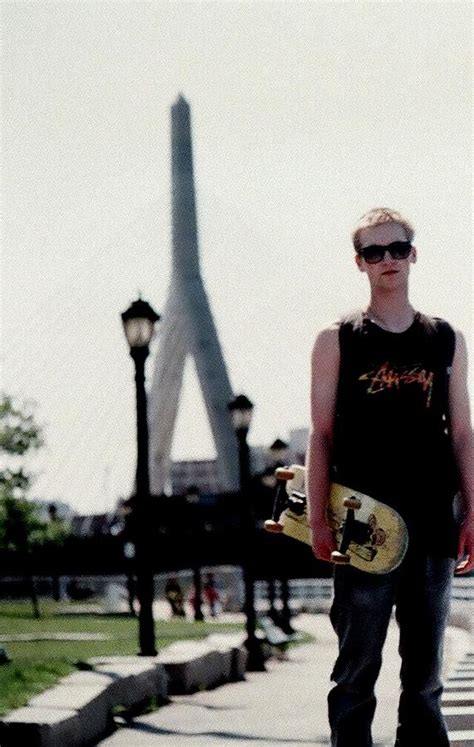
pixel 370 535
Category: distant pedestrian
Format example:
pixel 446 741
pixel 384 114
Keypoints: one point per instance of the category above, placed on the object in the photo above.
pixel 212 595
pixel 175 597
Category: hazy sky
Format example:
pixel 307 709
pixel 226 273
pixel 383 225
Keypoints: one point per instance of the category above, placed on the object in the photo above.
pixel 304 116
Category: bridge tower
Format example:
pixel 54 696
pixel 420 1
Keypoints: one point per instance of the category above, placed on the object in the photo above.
pixel 188 328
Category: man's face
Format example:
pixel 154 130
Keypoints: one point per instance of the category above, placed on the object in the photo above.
pixel 389 272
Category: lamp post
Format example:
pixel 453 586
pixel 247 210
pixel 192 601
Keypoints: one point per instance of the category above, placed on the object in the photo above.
pixel 279 451
pixel 241 411
pixel 192 499
pixel 138 322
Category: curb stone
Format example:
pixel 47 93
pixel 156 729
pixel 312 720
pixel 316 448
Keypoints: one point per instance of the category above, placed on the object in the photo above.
pixel 78 709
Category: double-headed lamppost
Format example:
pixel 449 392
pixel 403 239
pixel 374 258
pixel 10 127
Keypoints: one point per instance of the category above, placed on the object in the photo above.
pixel 279 455
pixel 241 410
pixel 279 451
pixel 138 322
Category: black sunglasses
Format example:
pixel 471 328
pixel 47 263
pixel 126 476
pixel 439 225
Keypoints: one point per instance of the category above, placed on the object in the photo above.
pixel 376 252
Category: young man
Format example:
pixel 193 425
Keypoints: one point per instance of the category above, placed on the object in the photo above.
pixel 390 418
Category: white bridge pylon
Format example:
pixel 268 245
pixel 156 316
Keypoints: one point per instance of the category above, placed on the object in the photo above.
pixel 187 328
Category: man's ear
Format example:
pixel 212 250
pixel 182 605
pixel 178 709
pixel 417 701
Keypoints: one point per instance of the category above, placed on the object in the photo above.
pixel 413 255
pixel 359 262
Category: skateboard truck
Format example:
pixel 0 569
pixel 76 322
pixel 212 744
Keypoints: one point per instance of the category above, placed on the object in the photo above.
pixel 282 474
pixel 296 503
pixel 341 556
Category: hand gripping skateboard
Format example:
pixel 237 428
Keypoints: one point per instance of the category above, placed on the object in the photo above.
pixel 370 535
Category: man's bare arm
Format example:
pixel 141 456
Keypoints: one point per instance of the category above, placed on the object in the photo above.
pixel 463 447
pixel 324 380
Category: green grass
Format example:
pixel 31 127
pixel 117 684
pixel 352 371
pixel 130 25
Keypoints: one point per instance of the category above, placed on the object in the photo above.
pixel 37 665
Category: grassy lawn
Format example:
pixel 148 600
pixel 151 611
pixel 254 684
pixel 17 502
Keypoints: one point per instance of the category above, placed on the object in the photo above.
pixel 37 665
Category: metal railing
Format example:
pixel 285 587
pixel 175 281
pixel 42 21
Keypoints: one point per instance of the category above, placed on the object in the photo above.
pixel 306 594
pixel 313 594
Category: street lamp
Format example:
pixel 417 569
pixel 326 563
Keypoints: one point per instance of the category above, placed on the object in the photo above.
pixel 138 322
pixel 278 452
pixel 241 411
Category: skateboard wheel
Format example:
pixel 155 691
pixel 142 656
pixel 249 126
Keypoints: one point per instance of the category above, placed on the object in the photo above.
pixel 352 502
pixel 340 558
pixel 283 473
pixel 273 526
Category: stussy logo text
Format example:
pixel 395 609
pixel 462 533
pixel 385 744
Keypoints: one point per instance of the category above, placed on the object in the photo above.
pixel 389 376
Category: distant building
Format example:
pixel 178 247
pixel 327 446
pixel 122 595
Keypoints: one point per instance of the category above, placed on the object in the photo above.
pixel 299 443
pixel 203 475
pixel 92 525
pixel 48 509
pixel 200 473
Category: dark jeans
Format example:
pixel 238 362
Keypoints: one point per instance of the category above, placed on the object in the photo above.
pixel 420 590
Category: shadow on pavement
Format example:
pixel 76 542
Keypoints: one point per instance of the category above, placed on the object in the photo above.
pixel 222 735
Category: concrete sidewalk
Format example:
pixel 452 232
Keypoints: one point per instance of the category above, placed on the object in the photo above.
pixel 286 705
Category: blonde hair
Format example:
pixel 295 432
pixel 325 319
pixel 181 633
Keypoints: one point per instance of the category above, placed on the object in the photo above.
pixel 376 217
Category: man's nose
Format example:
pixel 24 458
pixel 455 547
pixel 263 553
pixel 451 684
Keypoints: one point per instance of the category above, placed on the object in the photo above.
pixel 387 256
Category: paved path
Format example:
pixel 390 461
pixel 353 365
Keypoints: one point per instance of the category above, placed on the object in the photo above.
pixel 285 706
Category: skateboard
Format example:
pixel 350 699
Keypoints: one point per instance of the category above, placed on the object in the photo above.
pixel 371 536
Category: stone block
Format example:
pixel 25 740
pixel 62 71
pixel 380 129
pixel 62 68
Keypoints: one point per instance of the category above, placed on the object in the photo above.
pixel 40 727
pixel 457 699
pixel 117 659
pixel 91 703
pixel 458 717
pixel 134 679
pixel 239 663
pixel 239 653
pixel 461 738
pixel 460 616
pixel 192 666
pixel 85 677
pixel 78 709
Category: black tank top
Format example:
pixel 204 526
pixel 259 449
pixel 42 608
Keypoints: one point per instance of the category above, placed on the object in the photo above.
pixel 391 438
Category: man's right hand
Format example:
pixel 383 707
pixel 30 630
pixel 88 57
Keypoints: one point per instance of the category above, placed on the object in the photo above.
pixel 323 542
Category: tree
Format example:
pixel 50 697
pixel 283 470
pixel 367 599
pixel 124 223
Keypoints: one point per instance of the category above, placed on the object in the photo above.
pixel 21 529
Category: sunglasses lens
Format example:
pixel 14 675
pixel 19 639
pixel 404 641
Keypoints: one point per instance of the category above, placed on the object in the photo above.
pixel 400 249
pixel 375 253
